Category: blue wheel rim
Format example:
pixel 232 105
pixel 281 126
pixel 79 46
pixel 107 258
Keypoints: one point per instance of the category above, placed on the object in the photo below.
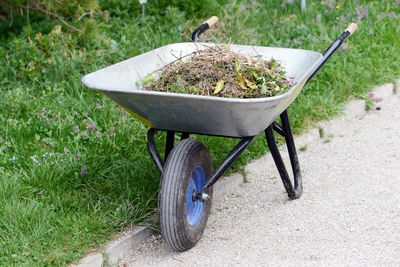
pixel 195 208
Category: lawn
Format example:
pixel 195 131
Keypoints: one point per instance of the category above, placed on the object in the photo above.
pixel 74 168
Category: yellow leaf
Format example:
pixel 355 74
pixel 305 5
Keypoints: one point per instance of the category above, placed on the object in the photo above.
pixel 239 75
pixel 218 88
pixel 250 84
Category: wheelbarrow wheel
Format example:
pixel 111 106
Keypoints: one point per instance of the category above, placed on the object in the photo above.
pixel 182 216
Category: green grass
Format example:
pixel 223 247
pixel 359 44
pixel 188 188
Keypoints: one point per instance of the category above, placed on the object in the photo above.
pixel 52 211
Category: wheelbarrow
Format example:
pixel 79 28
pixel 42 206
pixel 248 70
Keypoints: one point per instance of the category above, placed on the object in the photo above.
pixel 187 177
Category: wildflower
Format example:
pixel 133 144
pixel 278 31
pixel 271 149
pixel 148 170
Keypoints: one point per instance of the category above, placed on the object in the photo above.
pixel 93 126
pixel 42 192
pixel 78 155
pixel 52 144
pixel 71 118
pixel 84 134
pixel 76 128
pixel 34 158
pixel 370 32
pixel 318 19
pixel 362 13
pixel 371 94
pixel 278 70
pixel 344 47
pixel 338 5
pixel 393 15
pixel 83 171
pixel 66 150
pixel 89 127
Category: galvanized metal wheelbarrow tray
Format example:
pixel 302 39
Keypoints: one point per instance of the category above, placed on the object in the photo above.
pixel 187 177
pixel 200 114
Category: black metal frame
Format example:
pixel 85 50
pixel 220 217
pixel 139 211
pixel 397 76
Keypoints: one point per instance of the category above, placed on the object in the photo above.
pixel 293 190
pixel 199 30
pixel 284 130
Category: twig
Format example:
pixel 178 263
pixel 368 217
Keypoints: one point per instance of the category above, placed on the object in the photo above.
pixel 60 18
pixel 27 13
pixel 178 58
pixel 39 8
pixel 12 16
pixel 84 14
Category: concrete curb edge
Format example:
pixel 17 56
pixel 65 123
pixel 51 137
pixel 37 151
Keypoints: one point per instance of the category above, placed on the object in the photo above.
pixel 117 249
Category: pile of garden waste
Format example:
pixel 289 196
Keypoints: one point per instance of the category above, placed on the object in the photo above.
pixel 218 71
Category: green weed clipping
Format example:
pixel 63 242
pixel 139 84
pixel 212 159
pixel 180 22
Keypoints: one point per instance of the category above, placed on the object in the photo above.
pixel 218 71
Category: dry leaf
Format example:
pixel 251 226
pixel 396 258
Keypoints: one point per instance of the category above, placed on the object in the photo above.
pixel 218 88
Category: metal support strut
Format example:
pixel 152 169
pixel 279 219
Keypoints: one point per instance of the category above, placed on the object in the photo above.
pixel 169 145
pixel 151 147
pixel 295 191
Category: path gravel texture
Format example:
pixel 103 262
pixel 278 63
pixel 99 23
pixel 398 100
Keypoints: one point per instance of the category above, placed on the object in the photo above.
pixel 349 213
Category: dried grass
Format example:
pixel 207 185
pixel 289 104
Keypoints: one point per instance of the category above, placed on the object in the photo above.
pixel 218 71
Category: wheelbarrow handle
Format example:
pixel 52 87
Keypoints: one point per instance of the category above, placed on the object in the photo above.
pixel 351 28
pixel 334 46
pixel 203 27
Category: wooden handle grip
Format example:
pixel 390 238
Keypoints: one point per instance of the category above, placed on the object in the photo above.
pixel 211 21
pixel 351 28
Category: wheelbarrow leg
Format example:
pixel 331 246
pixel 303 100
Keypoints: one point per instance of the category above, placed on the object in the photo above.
pixel 286 131
pixel 169 143
pixel 184 136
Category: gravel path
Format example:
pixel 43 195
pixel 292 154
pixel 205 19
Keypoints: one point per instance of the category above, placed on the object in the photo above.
pixel 349 213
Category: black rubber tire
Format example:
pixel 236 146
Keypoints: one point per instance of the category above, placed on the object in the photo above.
pixel 172 195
